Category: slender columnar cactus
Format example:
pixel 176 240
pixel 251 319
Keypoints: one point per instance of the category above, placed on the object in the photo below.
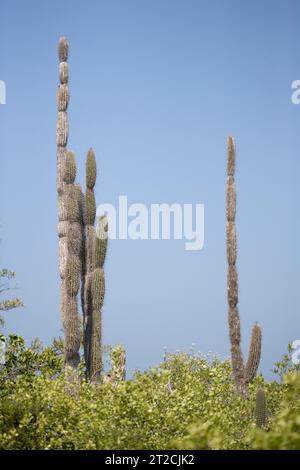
pixel 95 353
pixel 261 412
pixel 93 282
pixel 62 106
pixel 254 353
pixel 81 252
pixel 61 141
pixel 101 242
pixel 89 252
pixel 72 195
pixel 242 374
pixel 70 219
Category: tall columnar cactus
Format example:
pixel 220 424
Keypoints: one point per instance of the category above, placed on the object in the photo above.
pixel 70 218
pixel 62 106
pixel 261 412
pixel 242 374
pixel 72 201
pixel 97 297
pixel 89 250
pixel 93 282
pixel 61 141
pixel 254 354
pixel 81 251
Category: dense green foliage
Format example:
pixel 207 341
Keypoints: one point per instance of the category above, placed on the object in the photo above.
pixel 188 402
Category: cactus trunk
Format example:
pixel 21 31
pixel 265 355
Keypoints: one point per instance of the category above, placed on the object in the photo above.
pixel 81 251
pixel 70 219
pixel 243 375
pixel 93 281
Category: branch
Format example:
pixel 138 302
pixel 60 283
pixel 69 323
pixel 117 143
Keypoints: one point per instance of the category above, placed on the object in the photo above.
pixel 6 305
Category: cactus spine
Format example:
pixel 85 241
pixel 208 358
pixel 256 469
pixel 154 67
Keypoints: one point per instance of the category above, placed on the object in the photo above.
pixel 261 413
pixel 242 374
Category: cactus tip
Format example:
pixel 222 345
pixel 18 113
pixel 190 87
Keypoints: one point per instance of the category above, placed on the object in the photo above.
pixel 63 49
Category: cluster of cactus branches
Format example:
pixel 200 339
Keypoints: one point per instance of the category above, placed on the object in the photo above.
pixel 82 249
pixel 243 373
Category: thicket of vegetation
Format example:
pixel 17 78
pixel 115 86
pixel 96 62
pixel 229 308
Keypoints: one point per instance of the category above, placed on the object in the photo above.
pixel 187 402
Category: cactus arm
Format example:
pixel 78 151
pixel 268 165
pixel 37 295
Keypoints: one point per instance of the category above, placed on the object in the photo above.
pixel 261 413
pixel 254 354
pixel 93 285
pixel 97 295
pixel 72 199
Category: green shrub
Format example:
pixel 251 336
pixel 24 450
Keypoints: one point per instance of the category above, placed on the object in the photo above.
pixel 188 402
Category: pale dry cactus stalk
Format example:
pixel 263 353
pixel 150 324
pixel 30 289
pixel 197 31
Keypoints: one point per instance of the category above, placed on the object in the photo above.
pixel 243 375
pixel 69 217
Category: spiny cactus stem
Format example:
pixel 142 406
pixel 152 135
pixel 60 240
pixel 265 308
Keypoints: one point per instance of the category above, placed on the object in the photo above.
pixel 243 375
pixel 261 414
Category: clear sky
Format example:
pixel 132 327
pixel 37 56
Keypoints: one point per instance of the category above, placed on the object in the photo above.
pixel 156 87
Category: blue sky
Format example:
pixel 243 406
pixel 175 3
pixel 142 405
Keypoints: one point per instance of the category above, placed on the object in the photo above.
pixel 156 87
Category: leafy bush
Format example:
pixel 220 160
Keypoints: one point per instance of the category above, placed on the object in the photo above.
pixel 284 433
pixel 188 402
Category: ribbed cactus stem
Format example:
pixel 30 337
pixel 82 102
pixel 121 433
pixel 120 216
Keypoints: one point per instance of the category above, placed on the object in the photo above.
pixel 93 282
pixel 90 208
pixel 97 296
pixel 62 106
pixel 89 253
pixel 61 141
pixel 63 50
pixel 242 374
pixel 95 355
pixel 254 354
pixel 232 277
pixel 72 203
pixel 90 213
pixel 91 169
pixel 69 168
pixel 73 275
pixel 101 242
pixel 70 218
pixel 261 412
